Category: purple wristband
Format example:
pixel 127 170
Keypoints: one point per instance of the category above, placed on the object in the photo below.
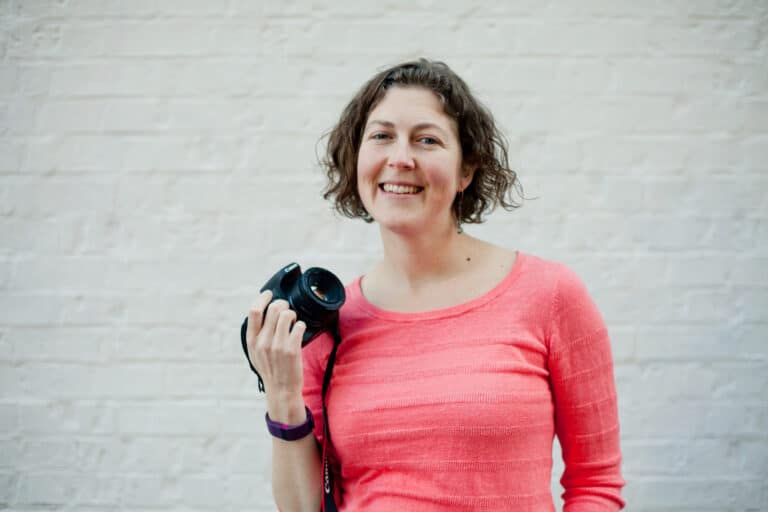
pixel 291 432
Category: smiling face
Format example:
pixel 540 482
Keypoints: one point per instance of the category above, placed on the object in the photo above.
pixel 409 166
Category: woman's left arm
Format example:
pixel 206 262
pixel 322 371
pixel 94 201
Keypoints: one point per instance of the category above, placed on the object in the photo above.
pixel 586 414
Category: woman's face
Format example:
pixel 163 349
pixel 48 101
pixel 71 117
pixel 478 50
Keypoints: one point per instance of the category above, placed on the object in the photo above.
pixel 409 166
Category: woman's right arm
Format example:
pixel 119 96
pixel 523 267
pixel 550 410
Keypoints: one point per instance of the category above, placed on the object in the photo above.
pixel 275 351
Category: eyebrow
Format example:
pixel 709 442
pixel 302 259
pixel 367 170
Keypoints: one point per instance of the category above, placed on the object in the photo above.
pixel 418 126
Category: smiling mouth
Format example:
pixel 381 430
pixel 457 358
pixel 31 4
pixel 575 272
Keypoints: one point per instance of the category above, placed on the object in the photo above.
pixel 400 189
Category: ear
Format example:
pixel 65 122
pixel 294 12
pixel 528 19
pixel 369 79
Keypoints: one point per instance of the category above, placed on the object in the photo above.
pixel 467 173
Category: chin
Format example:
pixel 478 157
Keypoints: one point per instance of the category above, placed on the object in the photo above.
pixel 400 224
pixel 407 227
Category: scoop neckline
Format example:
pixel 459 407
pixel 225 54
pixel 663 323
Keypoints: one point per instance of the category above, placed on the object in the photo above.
pixel 401 316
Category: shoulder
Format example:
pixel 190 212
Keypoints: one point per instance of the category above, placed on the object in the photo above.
pixel 551 276
pixel 558 286
pixel 547 267
pixel 572 316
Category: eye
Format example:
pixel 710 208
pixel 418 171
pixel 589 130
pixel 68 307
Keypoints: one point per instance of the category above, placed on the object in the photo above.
pixel 379 136
pixel 429 141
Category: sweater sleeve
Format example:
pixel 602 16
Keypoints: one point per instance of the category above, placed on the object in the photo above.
pixel 586 415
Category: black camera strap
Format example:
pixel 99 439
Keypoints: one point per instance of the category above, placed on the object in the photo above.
pixel 329 504
pixel 243 330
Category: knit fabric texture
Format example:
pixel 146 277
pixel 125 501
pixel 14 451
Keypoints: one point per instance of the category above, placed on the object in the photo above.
pixel 456 408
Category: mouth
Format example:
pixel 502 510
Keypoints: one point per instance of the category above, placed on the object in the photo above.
pixel 400 189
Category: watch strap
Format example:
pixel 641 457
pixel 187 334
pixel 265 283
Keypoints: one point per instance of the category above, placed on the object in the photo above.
pixel 291 432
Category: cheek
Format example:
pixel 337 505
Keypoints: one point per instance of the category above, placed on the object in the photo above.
pixel 362 169
pixel 444 179
pixel 365 166
pixel 365 177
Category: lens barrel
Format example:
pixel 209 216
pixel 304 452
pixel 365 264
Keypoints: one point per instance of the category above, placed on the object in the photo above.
pixel 317 297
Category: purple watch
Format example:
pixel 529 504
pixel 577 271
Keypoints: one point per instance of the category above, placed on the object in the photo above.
pixel 291 432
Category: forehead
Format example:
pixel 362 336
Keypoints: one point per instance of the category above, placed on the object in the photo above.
pixel 412 105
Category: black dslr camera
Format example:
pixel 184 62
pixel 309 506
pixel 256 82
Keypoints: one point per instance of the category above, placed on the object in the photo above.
pixel 316 296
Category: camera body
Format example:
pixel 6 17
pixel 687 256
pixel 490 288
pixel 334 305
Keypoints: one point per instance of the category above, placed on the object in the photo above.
pixel 315 295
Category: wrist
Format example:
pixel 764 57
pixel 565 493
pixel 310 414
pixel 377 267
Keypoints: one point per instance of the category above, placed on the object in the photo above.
pixel 289 410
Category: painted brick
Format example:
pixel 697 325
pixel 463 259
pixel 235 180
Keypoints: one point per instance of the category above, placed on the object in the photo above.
pixel 102 492
pixel 113 78
pixel 168 418
pixel 166 343
pixel 9 73
pixel 683 492
pixel 138 9
pixel 690 75
pixel 158 161
pixel 34 80
pixel 247 494
pixel 9 420
pixel 40 418
pixel 11 156
pixel 204 492
pixel 149 490
pixel 33 38
pixel 46 488
pixel 29 198
pixel 241 462
pixel 8 483
pixel 705 342
pixel 699 419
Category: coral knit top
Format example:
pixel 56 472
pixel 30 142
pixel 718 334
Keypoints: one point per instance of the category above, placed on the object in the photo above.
pixel 456 408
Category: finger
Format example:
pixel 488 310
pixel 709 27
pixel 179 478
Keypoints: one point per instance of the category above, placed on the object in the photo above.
pixel 297 334
pixel 256 313
pixel 273 312
pixel 284 322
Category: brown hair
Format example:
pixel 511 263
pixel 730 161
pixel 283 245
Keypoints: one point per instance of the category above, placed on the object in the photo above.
pixel 483 146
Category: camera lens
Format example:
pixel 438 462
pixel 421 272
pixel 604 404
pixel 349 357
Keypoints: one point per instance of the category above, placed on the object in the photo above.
pixel 324 285
pixel 320 294
pixel 317 297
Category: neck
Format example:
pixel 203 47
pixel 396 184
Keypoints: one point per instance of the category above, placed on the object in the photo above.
pixel 415 261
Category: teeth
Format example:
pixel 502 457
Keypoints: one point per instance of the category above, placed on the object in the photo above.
pixel 400 189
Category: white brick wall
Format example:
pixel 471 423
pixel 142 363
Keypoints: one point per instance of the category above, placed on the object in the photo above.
pixel 157 163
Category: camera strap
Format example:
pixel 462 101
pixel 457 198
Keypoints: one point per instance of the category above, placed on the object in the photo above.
pixel 329 503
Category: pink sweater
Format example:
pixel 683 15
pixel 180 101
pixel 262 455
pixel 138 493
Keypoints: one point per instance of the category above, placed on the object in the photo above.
pixel 456 409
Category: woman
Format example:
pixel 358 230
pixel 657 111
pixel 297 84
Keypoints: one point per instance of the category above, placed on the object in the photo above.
pixel 460 360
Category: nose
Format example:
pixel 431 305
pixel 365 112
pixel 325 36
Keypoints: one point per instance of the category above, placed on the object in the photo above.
pixel 401 157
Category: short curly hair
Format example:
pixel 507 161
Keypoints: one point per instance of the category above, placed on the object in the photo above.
pixel 483 146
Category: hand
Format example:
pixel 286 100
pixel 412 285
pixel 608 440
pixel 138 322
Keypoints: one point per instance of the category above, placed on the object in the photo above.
pixel 274 349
